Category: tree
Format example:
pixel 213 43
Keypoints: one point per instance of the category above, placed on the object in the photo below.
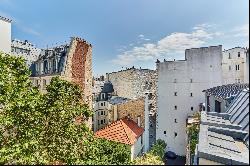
pixel 155 156
pixel 47 128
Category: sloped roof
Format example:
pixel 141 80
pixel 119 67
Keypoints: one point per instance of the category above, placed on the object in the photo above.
pixel 239 111
pixel 123 131
pixel 226 91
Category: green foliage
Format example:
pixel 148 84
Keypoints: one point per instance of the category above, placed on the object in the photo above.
pixel 149 159
pixel 40 128
pixel 104 152
pixel 193 134
pixel 154 156
pixel 159 148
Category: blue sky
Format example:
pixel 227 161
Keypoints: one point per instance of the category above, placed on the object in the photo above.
pixel 126 33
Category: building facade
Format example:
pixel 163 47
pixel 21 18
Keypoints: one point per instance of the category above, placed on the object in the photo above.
pixel 179 92
pixel 5 33
pixel 72 62
pixel 246 77
pixel 233 65
pixel 26 50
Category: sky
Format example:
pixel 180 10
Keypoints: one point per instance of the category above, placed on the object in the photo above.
pixel 126 33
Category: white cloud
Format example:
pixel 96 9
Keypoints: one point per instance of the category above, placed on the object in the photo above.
pixel 175 43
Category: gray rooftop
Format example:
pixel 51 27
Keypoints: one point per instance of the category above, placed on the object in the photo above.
pixel 118 100
pixel 224 137
pixel 226 91
pixel 222 144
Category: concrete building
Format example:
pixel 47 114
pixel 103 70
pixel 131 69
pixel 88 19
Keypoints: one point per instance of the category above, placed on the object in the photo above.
pixel 224 137
pixel 26 50
pixel 127 132
pixel 246 68
pixel 5 35
pixel 217 99
pixel 233 65
pixel 179 92
pixel 72 62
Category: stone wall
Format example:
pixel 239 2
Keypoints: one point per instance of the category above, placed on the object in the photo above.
pixel 133 108
pixel 134 83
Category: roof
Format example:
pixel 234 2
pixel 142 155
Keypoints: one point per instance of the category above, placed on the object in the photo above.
pixel 222 141
pixel 107 87
pixel 226 91
pixel 5 19
pixel 118 100
pixel 123 131
pixel 239 112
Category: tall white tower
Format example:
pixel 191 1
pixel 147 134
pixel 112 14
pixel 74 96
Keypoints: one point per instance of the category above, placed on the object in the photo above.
pixel 5 35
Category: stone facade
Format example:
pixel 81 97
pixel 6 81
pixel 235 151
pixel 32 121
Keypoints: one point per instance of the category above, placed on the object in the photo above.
pixel 134 109
pixel 179 92
pixel 246 66
pixel 233 62
pixel 135 83
pixel 26 50
pixel 72 62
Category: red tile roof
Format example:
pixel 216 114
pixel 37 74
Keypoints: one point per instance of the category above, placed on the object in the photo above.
pixel 123 131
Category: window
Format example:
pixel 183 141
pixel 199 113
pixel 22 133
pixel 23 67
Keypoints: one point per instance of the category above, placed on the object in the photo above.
pixel 165 132
pixel 191 94
pixel 175 120
pixel 54 65
pixel 104 103
pixel 229 56
pixel 238 54
pixel 104 121
pixel 229 67
pixel 37 82
pixel 101 112
pixel 217 106
pixel 237 67
pixel 98 122
pixel 103 95
pixel 101 121
pixel 191 80
pixel 175 93
pixel 192 108
pixel 98 113
pixel 175 107
pixel 175 134
pixel 101 104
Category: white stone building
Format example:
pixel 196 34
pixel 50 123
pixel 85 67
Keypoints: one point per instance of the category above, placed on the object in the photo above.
pixel 5 35
pixel 179 92
pixel 233 65
pixel 26 50
pixel 246 73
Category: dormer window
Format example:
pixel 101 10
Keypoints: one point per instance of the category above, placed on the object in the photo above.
pixel 103 95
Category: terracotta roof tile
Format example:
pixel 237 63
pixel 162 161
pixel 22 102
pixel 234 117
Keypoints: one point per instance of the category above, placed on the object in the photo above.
pixel 123 131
